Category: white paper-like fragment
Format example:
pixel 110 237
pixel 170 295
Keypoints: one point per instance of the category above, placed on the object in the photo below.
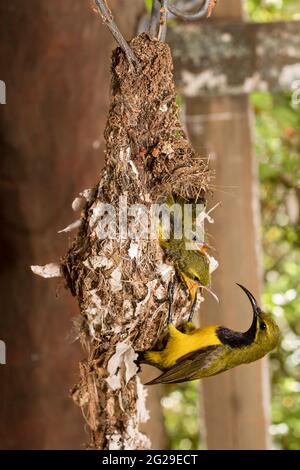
pixel 160 292
pixel 165 271
pixel 142 414
pixel 71 227
pixel 95 298
pixel 97 212
pixel 124 356
pixel 115 442
pixel 125 154
pixel 213 263
pixel 47 271
pixel 95 312
pixel 164 108
pixel 127 309
pixel 134 438
pixel 114 382
pixel 205 215
pixel 103 220
pixel 133 250
pixel 115 280
pixel 115 361
pixel 100 261
pixel 150 285
pixel 129 359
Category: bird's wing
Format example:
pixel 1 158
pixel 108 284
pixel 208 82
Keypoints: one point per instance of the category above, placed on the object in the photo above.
pixel 189 365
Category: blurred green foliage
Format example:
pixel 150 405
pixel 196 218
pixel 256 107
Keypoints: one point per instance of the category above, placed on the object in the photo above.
pixel 278 151
pixel 273 10
pixel 277 145
pixel 182 416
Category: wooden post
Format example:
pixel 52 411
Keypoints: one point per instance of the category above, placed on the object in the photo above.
pixel 236 402
pixel 217 64
pixel 54 60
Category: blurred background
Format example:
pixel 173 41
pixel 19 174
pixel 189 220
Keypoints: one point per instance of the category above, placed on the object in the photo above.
pixel 241 108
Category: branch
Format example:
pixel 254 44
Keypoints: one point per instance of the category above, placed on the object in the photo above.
pixel 155 14
pixel 108 20
pixel 162 32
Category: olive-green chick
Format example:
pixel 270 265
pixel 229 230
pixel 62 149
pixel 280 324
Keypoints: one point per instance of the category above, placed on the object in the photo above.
pixel 187 255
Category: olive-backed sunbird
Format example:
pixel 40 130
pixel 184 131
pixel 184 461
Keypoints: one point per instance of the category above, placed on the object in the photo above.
pixel 191 264
pixel 212 349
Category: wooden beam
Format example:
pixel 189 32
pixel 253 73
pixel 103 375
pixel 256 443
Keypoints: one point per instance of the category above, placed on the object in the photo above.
pixel 235 402
pixel 231 58
pixel 230 10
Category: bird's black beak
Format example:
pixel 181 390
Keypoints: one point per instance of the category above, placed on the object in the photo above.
pixel 256 309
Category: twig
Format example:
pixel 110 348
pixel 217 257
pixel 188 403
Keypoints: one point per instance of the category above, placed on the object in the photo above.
pixel 154 21
pixel 108 19
pixel 162 32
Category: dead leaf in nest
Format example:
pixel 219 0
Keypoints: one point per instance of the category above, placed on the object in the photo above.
pixel 81 200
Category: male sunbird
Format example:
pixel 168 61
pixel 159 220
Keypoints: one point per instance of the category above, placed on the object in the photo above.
pixel 212 349
pixel 187 254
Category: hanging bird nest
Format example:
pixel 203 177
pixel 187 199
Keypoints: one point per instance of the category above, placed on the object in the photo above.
pixel 121 282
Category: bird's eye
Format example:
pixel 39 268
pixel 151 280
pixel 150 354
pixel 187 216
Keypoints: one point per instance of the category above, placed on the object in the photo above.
pixel 263 326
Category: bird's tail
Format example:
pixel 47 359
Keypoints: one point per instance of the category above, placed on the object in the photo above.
pixel 152 358
pixel 141 358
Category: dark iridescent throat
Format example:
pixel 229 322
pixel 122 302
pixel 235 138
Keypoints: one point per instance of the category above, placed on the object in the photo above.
pixel 235 339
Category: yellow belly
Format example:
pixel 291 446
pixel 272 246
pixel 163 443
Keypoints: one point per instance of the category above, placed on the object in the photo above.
pixel 179 344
